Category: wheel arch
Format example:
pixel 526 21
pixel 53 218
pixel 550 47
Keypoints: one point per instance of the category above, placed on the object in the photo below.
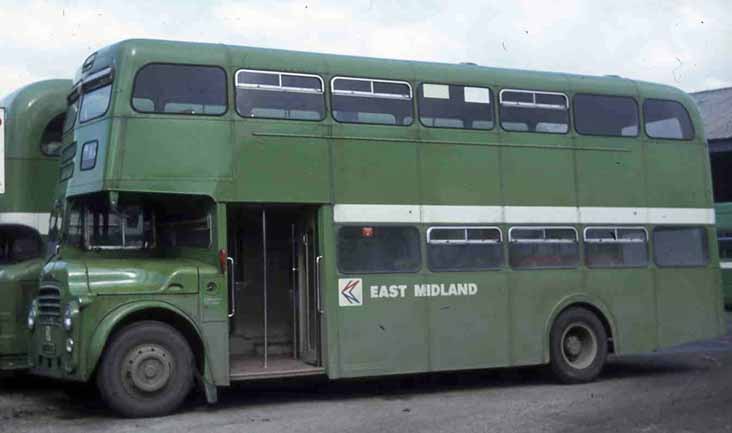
pixel 145 311
pixel 593 304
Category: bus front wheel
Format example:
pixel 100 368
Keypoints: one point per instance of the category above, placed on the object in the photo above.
pixel 147 370
pixel 578 346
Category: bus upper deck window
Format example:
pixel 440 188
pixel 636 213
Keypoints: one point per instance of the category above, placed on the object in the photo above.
pixel 533 111
pixel 362 100
pixel 667 119
pixel 455 106
pixel 606 115
pixel 279 95
pixel 180 89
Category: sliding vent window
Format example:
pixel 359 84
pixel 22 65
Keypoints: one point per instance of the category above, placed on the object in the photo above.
pixel 359 100
pixel 180 89
pixel 667 119
pixel 614 247
pixel 680 246
pixel 724 239
pixel 543 247
pixel 530 111
pixel 611 116
pixel 279 95
pixel 378 249
pixel 464 248
pixel 451 106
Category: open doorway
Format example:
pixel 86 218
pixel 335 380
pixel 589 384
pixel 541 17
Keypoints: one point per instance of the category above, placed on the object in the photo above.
pixel 275 319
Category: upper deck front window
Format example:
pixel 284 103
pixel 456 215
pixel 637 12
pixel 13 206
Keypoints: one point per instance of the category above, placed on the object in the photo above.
pixel 180 89
pixel 96 94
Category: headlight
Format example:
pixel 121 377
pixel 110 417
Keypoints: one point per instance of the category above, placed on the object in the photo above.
pixel 32 314
pixel 69 313
pixel 68 321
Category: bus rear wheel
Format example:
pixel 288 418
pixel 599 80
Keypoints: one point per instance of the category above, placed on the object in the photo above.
pixel 147 370
pixel 578 346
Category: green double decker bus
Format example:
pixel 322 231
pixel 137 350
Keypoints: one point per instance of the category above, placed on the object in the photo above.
pixel 235 213
pixel 31 124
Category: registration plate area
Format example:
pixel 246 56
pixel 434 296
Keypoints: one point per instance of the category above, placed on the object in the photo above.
pixel 50 340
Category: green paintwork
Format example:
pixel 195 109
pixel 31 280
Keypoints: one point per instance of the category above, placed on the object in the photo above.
pixel 30 177
pixel 723 213
pixel 235 160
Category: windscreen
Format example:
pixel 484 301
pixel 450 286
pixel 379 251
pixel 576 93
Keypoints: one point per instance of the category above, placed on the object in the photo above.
pixel 94 225
pixel 19 243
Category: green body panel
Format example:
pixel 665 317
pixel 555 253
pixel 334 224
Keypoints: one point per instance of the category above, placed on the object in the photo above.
pixel 141 276
pixel 723 213
pixel 30 176
pixel 237 160
pixel 18 284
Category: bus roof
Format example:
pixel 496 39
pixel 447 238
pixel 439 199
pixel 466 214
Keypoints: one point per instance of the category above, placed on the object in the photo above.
pixel 149 50
pixel 28 112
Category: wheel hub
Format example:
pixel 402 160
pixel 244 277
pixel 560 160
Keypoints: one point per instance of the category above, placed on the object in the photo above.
pixel 579 346
pixel 147 368
pixel 573 345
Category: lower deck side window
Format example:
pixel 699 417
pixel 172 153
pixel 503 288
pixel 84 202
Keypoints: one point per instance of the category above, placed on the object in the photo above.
pixel 680 246
pixel 376 249
pixel 615 247
pixel 724 239
pixel 464 248
pixel 543 247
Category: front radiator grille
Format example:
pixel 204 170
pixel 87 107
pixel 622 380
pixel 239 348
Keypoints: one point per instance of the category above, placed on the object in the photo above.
pixel 49 304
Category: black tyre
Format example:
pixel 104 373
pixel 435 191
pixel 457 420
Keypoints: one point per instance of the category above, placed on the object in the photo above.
pixel 147 370
pixel 578 346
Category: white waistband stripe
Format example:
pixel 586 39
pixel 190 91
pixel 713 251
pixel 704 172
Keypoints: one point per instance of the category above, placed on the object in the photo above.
pixel 38 221
pixel 376 213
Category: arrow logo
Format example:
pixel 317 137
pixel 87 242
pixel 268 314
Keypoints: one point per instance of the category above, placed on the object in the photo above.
pixel 351 292
pixel 347 292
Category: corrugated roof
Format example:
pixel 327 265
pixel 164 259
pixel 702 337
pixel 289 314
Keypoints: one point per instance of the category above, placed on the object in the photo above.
pixel 716 110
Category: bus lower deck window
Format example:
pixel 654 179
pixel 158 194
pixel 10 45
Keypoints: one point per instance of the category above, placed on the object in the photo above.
pixel 378 249
pixel 543 247
pixel 612 247
pixel 724 239
pixel 464 248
